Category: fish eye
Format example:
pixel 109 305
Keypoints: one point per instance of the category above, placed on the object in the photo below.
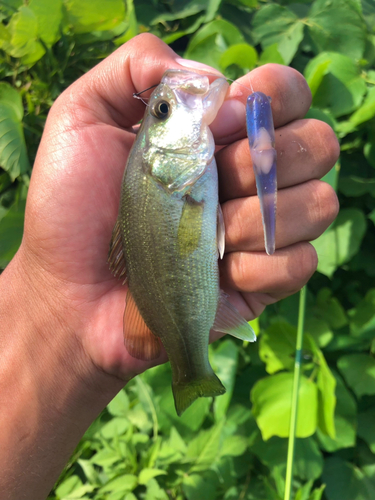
pixel 161 109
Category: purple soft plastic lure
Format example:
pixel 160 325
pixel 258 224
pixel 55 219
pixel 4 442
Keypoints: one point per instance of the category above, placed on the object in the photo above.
pixel 261 135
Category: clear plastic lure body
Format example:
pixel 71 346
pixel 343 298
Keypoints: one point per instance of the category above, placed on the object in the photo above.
pixel 261 135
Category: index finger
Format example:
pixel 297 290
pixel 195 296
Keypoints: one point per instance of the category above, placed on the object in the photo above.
pixel 290 100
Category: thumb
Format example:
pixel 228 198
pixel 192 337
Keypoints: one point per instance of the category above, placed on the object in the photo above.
pixel 106 91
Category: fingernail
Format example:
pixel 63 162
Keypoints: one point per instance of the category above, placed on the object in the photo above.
pixel 229 120
pixel 188 63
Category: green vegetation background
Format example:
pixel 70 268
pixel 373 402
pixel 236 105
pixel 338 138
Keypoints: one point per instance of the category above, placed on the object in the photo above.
pixel 233 448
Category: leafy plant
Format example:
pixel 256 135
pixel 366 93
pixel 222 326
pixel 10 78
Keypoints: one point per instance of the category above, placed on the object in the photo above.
pixel 234 447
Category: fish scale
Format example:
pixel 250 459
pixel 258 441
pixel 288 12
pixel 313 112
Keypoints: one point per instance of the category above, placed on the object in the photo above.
pixel 168 222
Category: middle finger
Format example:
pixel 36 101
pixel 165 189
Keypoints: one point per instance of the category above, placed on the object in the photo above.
pixel 306 149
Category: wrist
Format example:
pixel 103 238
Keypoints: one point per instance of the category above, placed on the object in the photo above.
pixel 50 391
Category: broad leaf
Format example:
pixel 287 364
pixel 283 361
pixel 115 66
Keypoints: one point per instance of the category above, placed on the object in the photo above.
pixel 94 15
pixel 336 83
pixel 48 14
pixel 147 474
pixel 242 54
pixel 274 24
pixel 345 420
pixel 272 397
pixel 337 25
pixel 366 111
pixel 359 373
pixel 224 360
pixel 344 481
pixel 341 241
pixel 211 41
pixel 308 460
pixel 11 231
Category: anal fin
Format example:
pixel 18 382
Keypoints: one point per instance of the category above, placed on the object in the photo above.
pixel 116 258
pixel 139 341
pixel 229 320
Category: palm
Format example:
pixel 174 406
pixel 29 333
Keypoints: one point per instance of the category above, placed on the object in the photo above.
pixel 73 230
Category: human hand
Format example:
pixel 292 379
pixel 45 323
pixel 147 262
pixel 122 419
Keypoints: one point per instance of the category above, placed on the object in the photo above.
pixel 74 196
pixel 61 310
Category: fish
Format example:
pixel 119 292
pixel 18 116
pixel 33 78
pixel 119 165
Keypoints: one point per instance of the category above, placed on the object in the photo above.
pixel 261 137
pixel 170 233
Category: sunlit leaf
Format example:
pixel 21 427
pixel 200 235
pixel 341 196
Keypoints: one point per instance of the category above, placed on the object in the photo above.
pixel 336 83
pixel 224 360
pixel 48 14
pixel 242 54
pixel 276 24
pixel 147 474
pixel 94 15
pixel 337 25
pixel 272 397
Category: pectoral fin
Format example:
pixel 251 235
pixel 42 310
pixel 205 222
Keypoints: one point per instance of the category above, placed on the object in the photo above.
pixel 116 258
pixel 229 320
pixel 140 342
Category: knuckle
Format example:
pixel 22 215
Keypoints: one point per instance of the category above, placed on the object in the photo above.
pixel 325 206
pixel 303 265
pixel 329 144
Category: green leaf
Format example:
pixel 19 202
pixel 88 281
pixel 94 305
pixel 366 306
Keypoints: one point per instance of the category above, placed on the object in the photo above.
pixel 147 474
pixel 318 329
pixel 12 98
pixel 115 427
pixel 366 428
pixel 271 54
pixel 211 41
pixel 11 231
pixel 366 111
pixel 242 54
pixel 330 309
pixel 48 14
pixel 345 420
pixel 123 483
pixel 68 486
pixel 308 460
pixel 119 405
pixel 341 241
pixel 94 15
pixel 224 361
pixel 199 487
pixel 336 83
pixel 337 25
pixel 203 450
pixel 369 150
pixel 271 398
pixel 326 383
pixel 359 373
pixel 344 481
pixel 276 24
pixel 23 30
pixel 13 155
pixel 362 317
pixel 233 446
pixel 277 346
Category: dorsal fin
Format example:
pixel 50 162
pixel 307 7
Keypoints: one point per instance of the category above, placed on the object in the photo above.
pixel 140 342
pixel 229 320
pixel 116 258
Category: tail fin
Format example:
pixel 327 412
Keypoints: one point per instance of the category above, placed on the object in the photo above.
pixel 187 392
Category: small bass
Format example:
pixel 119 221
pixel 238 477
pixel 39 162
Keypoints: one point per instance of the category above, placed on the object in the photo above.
pixel 170 233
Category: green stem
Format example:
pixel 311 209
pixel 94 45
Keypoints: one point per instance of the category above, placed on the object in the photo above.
pixel 293 416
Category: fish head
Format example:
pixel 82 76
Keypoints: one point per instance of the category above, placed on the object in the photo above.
pixel 182 107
